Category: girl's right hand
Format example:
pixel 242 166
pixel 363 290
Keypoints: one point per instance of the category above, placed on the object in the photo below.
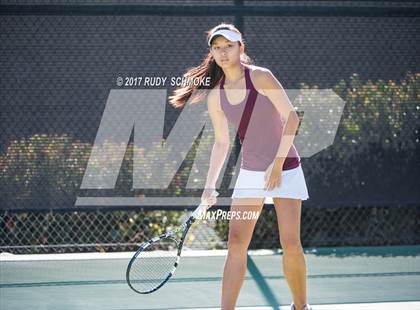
pixel 209 197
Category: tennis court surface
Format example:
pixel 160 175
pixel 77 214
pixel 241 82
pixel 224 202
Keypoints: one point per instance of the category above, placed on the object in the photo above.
pixel 338 278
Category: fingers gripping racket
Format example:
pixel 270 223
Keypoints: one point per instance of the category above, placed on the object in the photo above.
pixel 156 260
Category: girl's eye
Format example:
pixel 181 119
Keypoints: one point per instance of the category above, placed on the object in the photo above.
pixel 218 47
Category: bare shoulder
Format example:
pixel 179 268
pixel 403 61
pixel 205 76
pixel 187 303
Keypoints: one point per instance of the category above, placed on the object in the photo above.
pixel 213 99
pixel 262 78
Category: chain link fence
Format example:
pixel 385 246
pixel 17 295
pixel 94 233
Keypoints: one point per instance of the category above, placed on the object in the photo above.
pixel 123 230
pixel 363 188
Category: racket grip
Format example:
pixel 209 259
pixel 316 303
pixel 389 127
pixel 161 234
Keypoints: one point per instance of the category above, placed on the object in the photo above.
pixel 199 210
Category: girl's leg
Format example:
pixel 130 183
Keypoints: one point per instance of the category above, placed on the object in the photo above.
pixel 294 266
pixel 240 234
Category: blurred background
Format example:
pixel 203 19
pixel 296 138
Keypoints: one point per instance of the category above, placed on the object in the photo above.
pixel 61 59
pixel 59 62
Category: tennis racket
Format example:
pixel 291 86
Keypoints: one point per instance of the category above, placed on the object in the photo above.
pixel 156 260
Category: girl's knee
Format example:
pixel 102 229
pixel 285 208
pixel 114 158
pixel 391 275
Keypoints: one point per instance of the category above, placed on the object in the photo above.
pixel 291 246
pixel 238 241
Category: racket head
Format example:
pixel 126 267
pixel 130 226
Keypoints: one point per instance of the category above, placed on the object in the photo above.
pixel 153 264
pixel 146 274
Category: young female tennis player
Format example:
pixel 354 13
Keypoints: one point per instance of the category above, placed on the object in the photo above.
pixel 253 100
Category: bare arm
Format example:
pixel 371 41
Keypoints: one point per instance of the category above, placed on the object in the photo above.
pixel 222 142
pixel 267 83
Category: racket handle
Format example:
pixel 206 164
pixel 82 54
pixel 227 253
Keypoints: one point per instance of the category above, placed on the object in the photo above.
pixel 199 210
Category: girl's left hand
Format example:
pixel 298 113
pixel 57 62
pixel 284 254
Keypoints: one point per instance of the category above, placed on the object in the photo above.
pixel 272 175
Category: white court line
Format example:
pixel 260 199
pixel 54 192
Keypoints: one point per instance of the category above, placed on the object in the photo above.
pixel 8 257
pixel 410 305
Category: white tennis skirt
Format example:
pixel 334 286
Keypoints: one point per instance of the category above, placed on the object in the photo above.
pixel 250 184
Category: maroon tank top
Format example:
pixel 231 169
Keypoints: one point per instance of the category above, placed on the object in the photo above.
pixel 256 116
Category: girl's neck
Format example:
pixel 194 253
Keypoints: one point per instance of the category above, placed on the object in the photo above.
pixel 233 75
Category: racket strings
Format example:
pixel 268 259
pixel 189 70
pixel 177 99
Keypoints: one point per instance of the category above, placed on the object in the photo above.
pixel 153 265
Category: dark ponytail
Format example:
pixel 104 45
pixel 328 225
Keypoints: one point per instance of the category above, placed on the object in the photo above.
pixel 207 68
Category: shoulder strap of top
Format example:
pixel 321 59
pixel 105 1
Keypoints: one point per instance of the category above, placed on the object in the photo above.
pixel 248 79
pixel 222 81
pixel 249 84
pixel 249 107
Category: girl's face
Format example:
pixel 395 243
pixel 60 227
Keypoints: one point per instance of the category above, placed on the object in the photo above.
pixel 226 53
